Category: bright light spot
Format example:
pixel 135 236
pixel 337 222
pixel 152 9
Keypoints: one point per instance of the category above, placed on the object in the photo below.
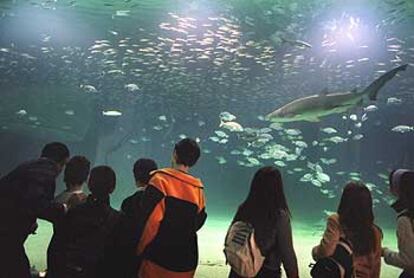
pixel 346 32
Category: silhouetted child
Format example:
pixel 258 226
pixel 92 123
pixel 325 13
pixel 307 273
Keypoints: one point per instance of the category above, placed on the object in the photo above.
pixel 142 169
pixel 402 186
pixel 75 175
pixel 88 227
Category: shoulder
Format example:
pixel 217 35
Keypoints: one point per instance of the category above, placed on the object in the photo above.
pixel 333 218
pixel 404 220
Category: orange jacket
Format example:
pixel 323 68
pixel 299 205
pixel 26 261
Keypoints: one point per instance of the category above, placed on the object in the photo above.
pixel 173 210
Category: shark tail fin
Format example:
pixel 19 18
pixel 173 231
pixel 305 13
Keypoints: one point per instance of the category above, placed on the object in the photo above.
pixel 373 89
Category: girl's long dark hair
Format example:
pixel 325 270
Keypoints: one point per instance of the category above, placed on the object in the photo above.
pixel 357 218
pixel 407 192
pixel 265 201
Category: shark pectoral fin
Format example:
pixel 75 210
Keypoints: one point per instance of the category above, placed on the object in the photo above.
pixel 313 120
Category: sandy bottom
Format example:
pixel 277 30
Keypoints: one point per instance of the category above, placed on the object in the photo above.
pixel 211 239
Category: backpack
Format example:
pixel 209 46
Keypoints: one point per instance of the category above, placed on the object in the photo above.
pixel 339 265
pixel 241 250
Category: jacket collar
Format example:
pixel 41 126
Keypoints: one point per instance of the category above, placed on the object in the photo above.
pixel 180 175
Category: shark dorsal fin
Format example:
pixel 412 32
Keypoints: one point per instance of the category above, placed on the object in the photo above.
pixel 324 92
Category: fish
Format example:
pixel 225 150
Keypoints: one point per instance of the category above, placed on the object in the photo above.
pixel 21 112
pixel 88 88
pixel 402 128
pixel 232 126
pixel 221 134
pixel 132 87
pixel 112 113
pixel 298 43
pixel 371 108
pixel 358 137
pixel 353 117
pixel 329 130
pixel 394 100
pixel 314 107
pixel 227 117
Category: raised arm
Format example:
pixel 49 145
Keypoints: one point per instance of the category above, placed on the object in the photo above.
pixel 329 240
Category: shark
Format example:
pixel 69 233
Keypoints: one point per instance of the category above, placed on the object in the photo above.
pixel 313 108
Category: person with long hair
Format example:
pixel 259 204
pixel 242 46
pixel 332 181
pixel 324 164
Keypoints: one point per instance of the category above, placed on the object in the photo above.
pixel 402 186
pixel 354 221
pixel 266 209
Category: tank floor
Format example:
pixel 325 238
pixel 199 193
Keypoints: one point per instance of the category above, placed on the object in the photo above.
pixel 211 238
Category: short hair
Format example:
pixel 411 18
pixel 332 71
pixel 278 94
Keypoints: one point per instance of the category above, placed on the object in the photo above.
pixel 102 181
pixel 187 152
pixel 407 192
pixel 56 151
pixel 77 170
pixel 142 169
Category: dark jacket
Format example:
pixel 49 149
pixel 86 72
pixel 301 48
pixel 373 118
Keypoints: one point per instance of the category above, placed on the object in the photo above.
pixel 85 231
pixel 120 258
pixel 173 212
pixel 131 205
pixel 55 249
pixel 26 194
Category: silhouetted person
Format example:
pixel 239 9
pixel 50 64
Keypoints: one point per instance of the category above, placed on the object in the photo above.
pixel 354 222
pixel 26 193
pixel 402 186
pixel 173 211
pixel 75 175
pixel 266 209
pixel 87 228
pixel 121 259
pixel 142 169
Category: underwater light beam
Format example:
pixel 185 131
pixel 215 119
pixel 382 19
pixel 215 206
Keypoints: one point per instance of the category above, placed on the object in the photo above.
pixel 346 32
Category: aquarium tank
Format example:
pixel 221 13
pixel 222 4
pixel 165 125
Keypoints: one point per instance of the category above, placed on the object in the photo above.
pixel 323 90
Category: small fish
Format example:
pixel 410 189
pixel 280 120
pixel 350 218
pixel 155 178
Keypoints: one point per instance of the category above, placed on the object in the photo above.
pixel 88 88
pixel 371 108
pixel 221 160
pixel 162 118
pixel 394 100
pixel 221 134
pixel 112 113
pixel 280 163
pixel 21 112
pixel 131 87
pixel 358 137
pixel 402 128
pixel 123 13
pixel 214 139
pixel 227 117
pixel 364 117
pixel 353 117
pixel 70 112
pixel 358 125
pixel 232 126
pixel 329 130
pixel 293 132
